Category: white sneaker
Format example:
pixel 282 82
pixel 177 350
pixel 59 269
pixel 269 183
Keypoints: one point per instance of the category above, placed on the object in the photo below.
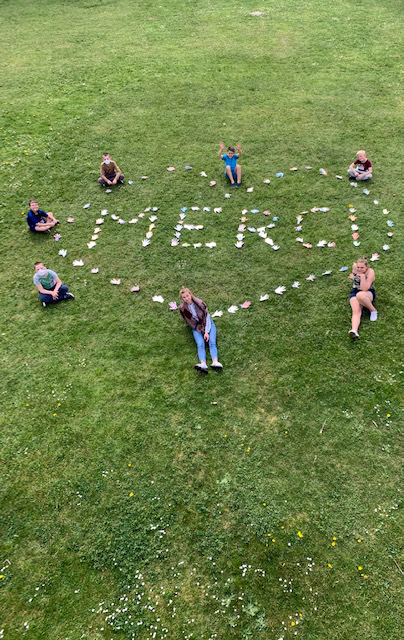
pixel 69 296
pixel 354 335
pixel 202 368
pixel 373 316
pixel 44 304
pixel 217 365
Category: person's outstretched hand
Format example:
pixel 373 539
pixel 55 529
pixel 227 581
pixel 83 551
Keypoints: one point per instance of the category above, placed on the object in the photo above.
pixel 206 337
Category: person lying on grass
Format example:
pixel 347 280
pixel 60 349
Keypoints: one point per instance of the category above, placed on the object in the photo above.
pixel 195 313
pixel 362 294
pixel 38 220
pixel 361 168
pixel 110 173
pixel 233 170
pixel 49 285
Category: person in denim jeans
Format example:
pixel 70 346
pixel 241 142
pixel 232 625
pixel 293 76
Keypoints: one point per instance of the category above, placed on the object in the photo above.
pixel 49 285
pixel 195 313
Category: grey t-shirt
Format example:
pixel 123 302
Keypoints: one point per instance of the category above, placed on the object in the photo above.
pixel 48 281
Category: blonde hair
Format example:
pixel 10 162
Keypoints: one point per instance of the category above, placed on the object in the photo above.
pixel 184 289
pixel 361 151
pixel 363 260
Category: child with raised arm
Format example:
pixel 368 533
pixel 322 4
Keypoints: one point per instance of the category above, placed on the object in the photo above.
pixel 362 294
pixel 361 168
pixel 232 170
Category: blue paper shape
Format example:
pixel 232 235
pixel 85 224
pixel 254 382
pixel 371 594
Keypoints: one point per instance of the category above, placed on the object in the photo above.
pixel 344 269
pixel 275 218
pixel 184 209
pixel 279 174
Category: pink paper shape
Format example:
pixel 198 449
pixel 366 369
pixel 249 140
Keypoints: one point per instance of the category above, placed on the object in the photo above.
pixel 212 183
pixel 246 304
pixel 308 245
pixel 173 306
pixel 266 213
pixel 355 235
pixel 57 236
pixel 70 219
pixel 170 168
pixel 135 289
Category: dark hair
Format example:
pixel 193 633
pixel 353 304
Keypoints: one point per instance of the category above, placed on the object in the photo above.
pixel 39 262
pixel 32 200
pixel 106 153
pixel 230 149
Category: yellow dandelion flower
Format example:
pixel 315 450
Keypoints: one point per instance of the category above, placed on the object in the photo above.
pixel 360 568
pixel 225 435
pixel 299 533
pixel 333 544
pixel 1 577
pixel 55 414
pixel 365 577
pixel 283 526
pixel 329 565
pixel 359 540
pixel 129 464
pixel 388 415
pixel 131 494
pixel 273 539
pixel 334 538
pixel 248 449
pixel 292 624
pixel 264 504
pixel 59 405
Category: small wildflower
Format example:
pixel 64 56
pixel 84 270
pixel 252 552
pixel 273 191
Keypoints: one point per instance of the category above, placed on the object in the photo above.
pixel 292 624
pixel 299 533
pixel 129 464
pixel 225 435
pixel 273 539
pixel 359 540
pixel 55 414
pixel 360 568
pixel 264 504
pixel 334 538
pixel 248 449
pixel 333 544
pixel 329 565
pixel 131 494
pixel 59 405
pixel 388 415
pixel 1 577
pixel 365 577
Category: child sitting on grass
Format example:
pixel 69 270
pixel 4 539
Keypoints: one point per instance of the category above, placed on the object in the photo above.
pixel 233 170
pixel 110 173
pixel 361 168
pixel 38 220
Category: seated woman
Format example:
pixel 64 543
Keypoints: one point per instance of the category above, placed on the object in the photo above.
pixel 362 294
pixel 195 313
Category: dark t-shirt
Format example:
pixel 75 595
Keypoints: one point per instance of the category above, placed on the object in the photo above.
pixel 363 166
pixel 34 218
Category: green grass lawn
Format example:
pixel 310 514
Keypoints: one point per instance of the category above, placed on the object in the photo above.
pixel 138 499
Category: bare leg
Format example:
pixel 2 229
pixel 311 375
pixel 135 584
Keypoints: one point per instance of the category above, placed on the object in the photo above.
pixel 229 174
pixel 238 173
pixel 356 313
pixel 365 298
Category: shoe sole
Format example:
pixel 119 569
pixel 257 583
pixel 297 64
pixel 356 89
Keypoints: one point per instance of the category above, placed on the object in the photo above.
pixel 353 336
pixel 201 369
pixel 212 366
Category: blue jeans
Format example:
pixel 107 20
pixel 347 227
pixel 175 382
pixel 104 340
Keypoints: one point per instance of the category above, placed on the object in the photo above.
pixel 46 297
pixel 200 343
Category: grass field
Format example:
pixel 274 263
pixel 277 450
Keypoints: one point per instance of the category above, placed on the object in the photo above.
pixel 138 499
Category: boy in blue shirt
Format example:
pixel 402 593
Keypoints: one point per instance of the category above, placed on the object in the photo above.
pixel 38 220
pixel 233 170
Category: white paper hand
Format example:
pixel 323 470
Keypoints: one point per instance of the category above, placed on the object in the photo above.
pixel 280 290
pixel 264 297
pixel 296 284
pixel 158 299
pixel 232 309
